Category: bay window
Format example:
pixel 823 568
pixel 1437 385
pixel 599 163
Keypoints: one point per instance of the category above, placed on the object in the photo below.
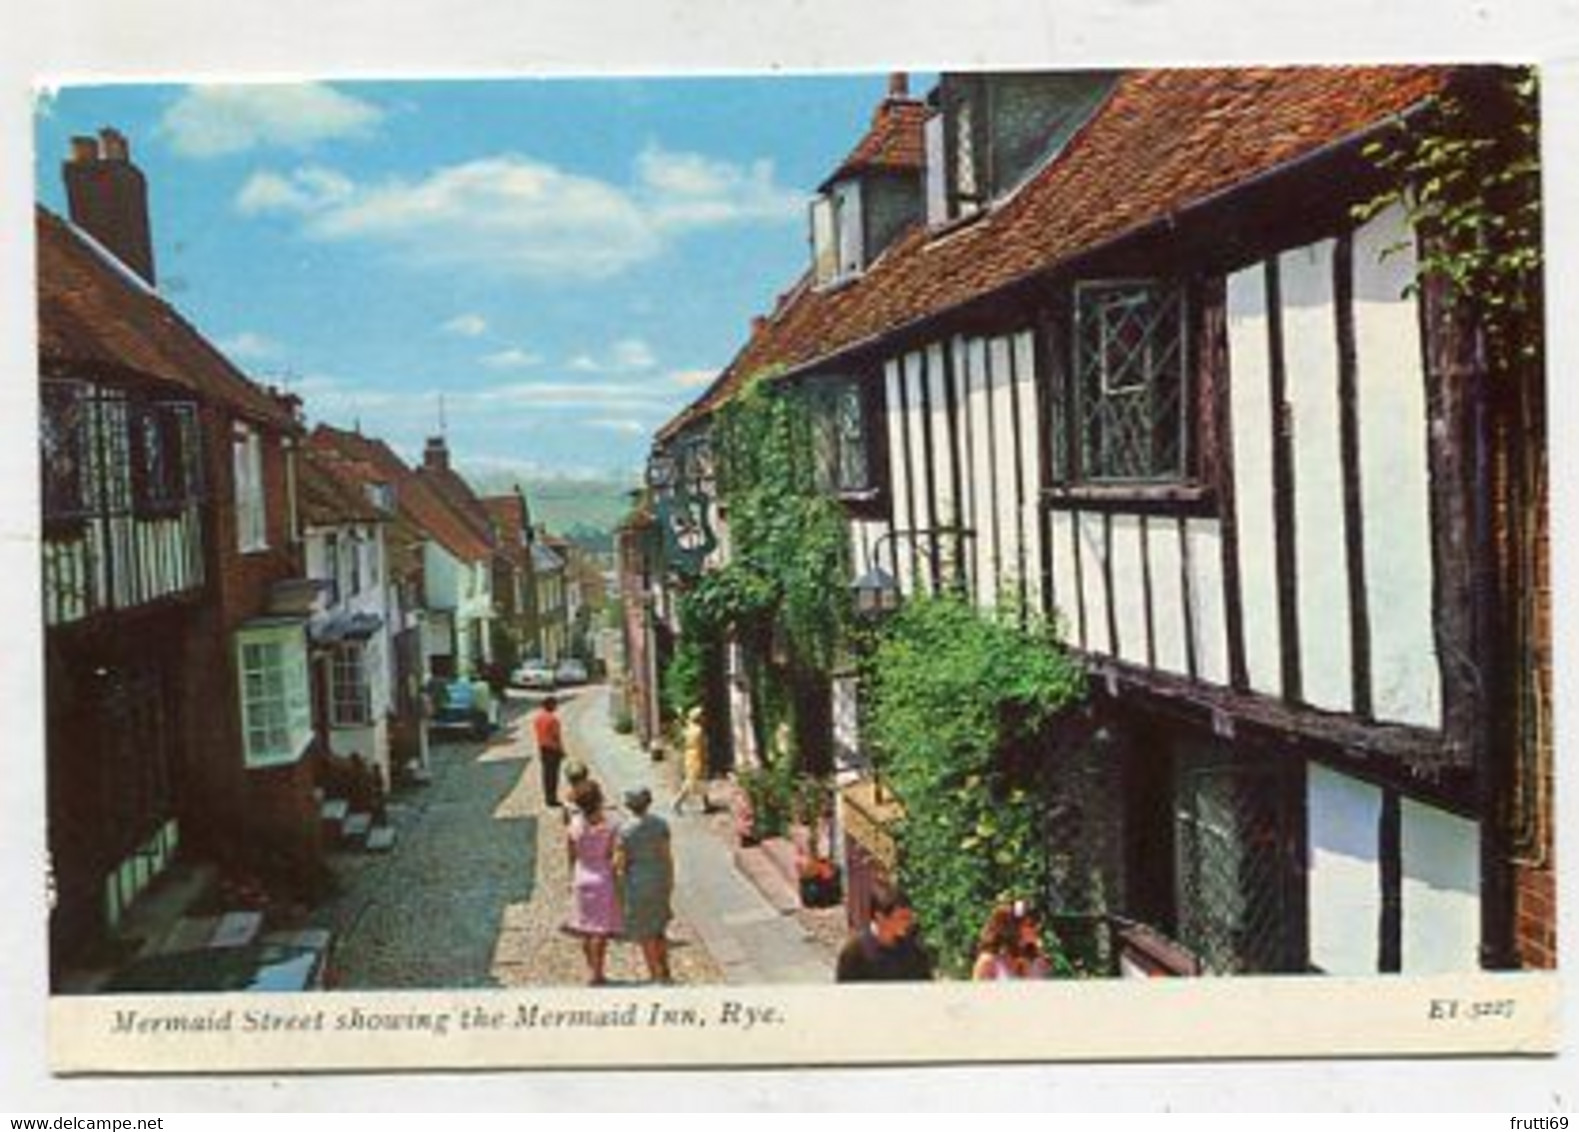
pixel 276 700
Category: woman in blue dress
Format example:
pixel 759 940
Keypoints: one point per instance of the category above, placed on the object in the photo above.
pixel 646 867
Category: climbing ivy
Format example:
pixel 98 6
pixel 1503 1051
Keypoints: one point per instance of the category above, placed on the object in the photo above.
pixel 783 594
pixel 1466 170
pixel 950 690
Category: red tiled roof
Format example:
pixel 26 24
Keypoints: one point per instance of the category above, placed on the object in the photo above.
pixel 894 141
pixel 91 314
pixel 1164 140
pixel 328 496
pixel 416 498
pixel 508 513
pixel 458 495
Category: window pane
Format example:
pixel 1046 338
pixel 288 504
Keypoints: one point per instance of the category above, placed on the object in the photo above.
pixel 1130 381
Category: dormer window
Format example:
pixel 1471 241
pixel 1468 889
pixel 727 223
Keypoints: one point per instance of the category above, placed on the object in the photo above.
pixel 988 132
pixel 838 246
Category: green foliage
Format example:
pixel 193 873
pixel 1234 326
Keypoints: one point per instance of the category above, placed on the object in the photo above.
pixel 788 567
pixel 1467 173
pixel 772 791
pixel 684 675
pixel 950 691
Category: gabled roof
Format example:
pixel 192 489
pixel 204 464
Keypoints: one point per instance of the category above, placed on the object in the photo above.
pixel 894 142
pixel 509 516
pixel 460 498
pixel 328 496
pixel 93 313
pixel 417 501
pixel 544 560
pixel 1164 140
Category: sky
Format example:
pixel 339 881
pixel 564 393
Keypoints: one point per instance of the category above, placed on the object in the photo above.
pixel 556 266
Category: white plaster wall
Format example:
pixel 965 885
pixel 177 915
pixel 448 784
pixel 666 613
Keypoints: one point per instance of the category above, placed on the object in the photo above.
pixel 1006 472
pixel 1251 409
pixel 981 472
pixel 943 457
pixel 1129 588
pixel 1093 553
pixel 914 375
pixel 1062 531
pixel 1310 356
pixel 1164 551
pixel 895 558
pixel 1343 821
pixel 1395 480
pixel 1030 464
pixel 1209 622
pixel 1441 890
pixel 961 376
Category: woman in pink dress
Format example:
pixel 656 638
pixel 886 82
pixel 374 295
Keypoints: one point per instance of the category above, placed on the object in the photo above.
pixel 590 841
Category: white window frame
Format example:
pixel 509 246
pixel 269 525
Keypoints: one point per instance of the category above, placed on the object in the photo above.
pixel 350 686
pixel 275 693
pixel 252 527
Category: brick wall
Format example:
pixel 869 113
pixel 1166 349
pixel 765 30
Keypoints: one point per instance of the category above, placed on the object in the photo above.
pixel 233 814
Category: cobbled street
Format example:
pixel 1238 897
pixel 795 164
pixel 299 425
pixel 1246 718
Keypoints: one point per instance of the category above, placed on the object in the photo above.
pixel 476 887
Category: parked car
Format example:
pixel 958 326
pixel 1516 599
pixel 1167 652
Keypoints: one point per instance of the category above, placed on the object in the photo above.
pixel 534 674
pixel 571 672
pixel 465 706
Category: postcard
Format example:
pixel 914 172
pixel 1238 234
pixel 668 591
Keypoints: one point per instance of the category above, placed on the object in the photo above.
pixel 574 571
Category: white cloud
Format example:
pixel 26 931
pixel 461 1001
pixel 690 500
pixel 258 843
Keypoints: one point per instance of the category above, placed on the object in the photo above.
pixel 307 190
pixel 619 424
pixel 513 358
pixel 249 345
pixel 623 356
pixel 467 325
pixel 689 190
pixel 212 121
pixel 633 353
pixel 692 378
pixel 519 216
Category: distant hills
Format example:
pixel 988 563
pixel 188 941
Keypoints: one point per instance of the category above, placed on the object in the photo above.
pixel 583 509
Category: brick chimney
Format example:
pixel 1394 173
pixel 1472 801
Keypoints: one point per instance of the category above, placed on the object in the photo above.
pixel 436 455
pixel 108 198
pixel 899 85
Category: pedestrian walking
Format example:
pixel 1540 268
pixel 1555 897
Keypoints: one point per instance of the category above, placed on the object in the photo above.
pixel 644 863
pixel 694 782
pixel 594 905
pixel 550 749
pixel 887 949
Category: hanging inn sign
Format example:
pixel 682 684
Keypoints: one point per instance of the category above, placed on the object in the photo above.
pixel 681 480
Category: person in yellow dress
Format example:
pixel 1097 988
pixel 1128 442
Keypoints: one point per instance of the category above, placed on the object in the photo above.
pixel 694 766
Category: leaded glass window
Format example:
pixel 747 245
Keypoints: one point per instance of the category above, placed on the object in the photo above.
pixel 1130 382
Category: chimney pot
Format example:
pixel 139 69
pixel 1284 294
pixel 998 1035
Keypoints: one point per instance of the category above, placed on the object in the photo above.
pixel 112 145
pixel 107 197
pixel 899 85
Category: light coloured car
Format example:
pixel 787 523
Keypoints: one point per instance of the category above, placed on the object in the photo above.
pixel 536 675
pixel 571 672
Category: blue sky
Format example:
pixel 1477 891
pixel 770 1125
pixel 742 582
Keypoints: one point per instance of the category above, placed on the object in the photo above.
pixel 566 261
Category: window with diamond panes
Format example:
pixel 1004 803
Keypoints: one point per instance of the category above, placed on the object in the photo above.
pixel 1130 382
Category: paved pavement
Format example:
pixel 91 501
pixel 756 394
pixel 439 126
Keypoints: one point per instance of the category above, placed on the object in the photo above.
pixel 476 887
pixel 753 942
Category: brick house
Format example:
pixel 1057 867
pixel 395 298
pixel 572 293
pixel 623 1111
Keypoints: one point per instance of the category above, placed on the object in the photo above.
pixel 168 517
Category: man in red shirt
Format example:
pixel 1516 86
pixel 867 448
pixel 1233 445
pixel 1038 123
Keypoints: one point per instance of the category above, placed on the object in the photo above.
pixel 550 749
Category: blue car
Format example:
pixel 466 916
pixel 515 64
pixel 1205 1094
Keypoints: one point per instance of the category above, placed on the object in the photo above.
pixel 467 707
